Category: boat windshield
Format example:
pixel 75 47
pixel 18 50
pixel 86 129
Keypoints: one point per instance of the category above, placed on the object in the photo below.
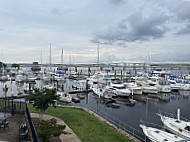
pixel 120 87
pixel 187 128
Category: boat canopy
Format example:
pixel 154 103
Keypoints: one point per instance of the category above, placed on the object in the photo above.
pixel 60 72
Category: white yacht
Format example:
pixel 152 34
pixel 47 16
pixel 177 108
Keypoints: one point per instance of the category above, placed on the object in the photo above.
pixel 19 78
pixel 79 85
pixel 64 97
pixel 185 85
pixel 174 83
pixel 147 89
pixel 176 126
pixel 31 78
pixel 157 135
pixel 163 86
pixel 118 88
pixel 48 87
pixel 58 77
pixel 100 92
pixel 137 90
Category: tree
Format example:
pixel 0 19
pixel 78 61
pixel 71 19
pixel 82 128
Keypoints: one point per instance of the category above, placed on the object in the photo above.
pixel 15 65
pixel 2 65
pixel 49 128
pixel 42 99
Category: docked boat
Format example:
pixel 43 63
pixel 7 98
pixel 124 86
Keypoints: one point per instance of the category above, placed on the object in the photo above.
pixel 64 97
pixel 100 92
pixel 133 86
pixel 118 88
pixel 31 78
pixel 157 135
pixel 146 88
pixel 176 125
pixel 185 85
pixel 163 86
pixel 48 87
pixel 19 78
pixel 174 83
pixel 79 85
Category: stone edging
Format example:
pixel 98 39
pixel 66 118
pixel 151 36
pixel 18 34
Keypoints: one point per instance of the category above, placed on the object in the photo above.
pixel 125 134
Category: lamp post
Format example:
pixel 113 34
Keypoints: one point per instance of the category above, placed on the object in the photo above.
pixel 5 89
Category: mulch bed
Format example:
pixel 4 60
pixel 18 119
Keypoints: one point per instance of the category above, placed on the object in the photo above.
pixel 36 122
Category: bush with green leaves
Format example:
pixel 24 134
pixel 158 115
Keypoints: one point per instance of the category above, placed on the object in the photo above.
pixel 49 128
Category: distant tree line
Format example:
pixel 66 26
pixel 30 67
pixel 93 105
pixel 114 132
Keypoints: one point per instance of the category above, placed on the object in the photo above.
pixel 15 65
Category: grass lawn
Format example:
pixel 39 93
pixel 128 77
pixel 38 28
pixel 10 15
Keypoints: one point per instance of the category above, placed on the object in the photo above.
pixel 87 127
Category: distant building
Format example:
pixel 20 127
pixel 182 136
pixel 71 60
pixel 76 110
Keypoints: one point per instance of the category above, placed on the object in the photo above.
pixel 35 67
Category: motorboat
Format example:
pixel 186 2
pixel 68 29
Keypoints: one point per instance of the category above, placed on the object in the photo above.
pixel 132 86
pixel 118 88
pixel 176 125
pixel 100 77
pixel 101 92
pixel 19 78
pixel 50 87
pixel 185 85
pixel 147 89
pixel 64 97
pixel 157 135
pixel 163 86
pixel 174 83
pixel 31 78
pixel 79 85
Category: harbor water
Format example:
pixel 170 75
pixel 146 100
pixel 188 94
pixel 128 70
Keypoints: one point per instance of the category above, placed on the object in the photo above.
pixel 121 112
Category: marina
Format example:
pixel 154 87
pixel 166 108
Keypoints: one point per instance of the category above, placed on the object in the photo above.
pixel 98 71
pixel 126 112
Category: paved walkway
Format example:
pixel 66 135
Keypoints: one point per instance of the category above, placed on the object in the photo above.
pixel 70 137
pixel 11 134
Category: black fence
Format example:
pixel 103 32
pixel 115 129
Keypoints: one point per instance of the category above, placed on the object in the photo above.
pixel 12 106
pixel 33 130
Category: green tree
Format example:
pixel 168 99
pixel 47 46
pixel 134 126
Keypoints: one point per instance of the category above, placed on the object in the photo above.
pixel 42 99
pixel 15 65
pixel 3 65
pixel 49 128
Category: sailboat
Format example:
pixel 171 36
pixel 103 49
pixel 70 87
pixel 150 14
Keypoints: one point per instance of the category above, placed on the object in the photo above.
pixel 60 73
pixel 157 135
pixel 176 126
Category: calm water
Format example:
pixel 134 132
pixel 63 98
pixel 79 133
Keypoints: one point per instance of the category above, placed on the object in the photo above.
pixel 131 115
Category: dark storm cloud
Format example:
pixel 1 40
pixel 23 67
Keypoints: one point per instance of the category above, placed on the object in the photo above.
pixel 135 28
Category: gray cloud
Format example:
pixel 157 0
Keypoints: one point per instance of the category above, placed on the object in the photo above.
pixel 59 11
pixel 185 30
pixel 135 28
pixel 116 1
pixel 182 11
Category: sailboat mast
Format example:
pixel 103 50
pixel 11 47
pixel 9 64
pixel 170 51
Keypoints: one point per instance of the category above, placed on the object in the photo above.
pixel 50 57
pixel 98 55
pixel 62 57
pixel 41 62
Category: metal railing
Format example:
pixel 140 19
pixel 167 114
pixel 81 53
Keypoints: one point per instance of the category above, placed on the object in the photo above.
pixel 122 125
pixel 33 130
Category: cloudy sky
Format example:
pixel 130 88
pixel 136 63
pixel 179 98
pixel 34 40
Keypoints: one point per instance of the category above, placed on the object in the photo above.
pixel 126 30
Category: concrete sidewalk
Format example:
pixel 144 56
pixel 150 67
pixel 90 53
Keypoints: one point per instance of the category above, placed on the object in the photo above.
pixel 70 137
